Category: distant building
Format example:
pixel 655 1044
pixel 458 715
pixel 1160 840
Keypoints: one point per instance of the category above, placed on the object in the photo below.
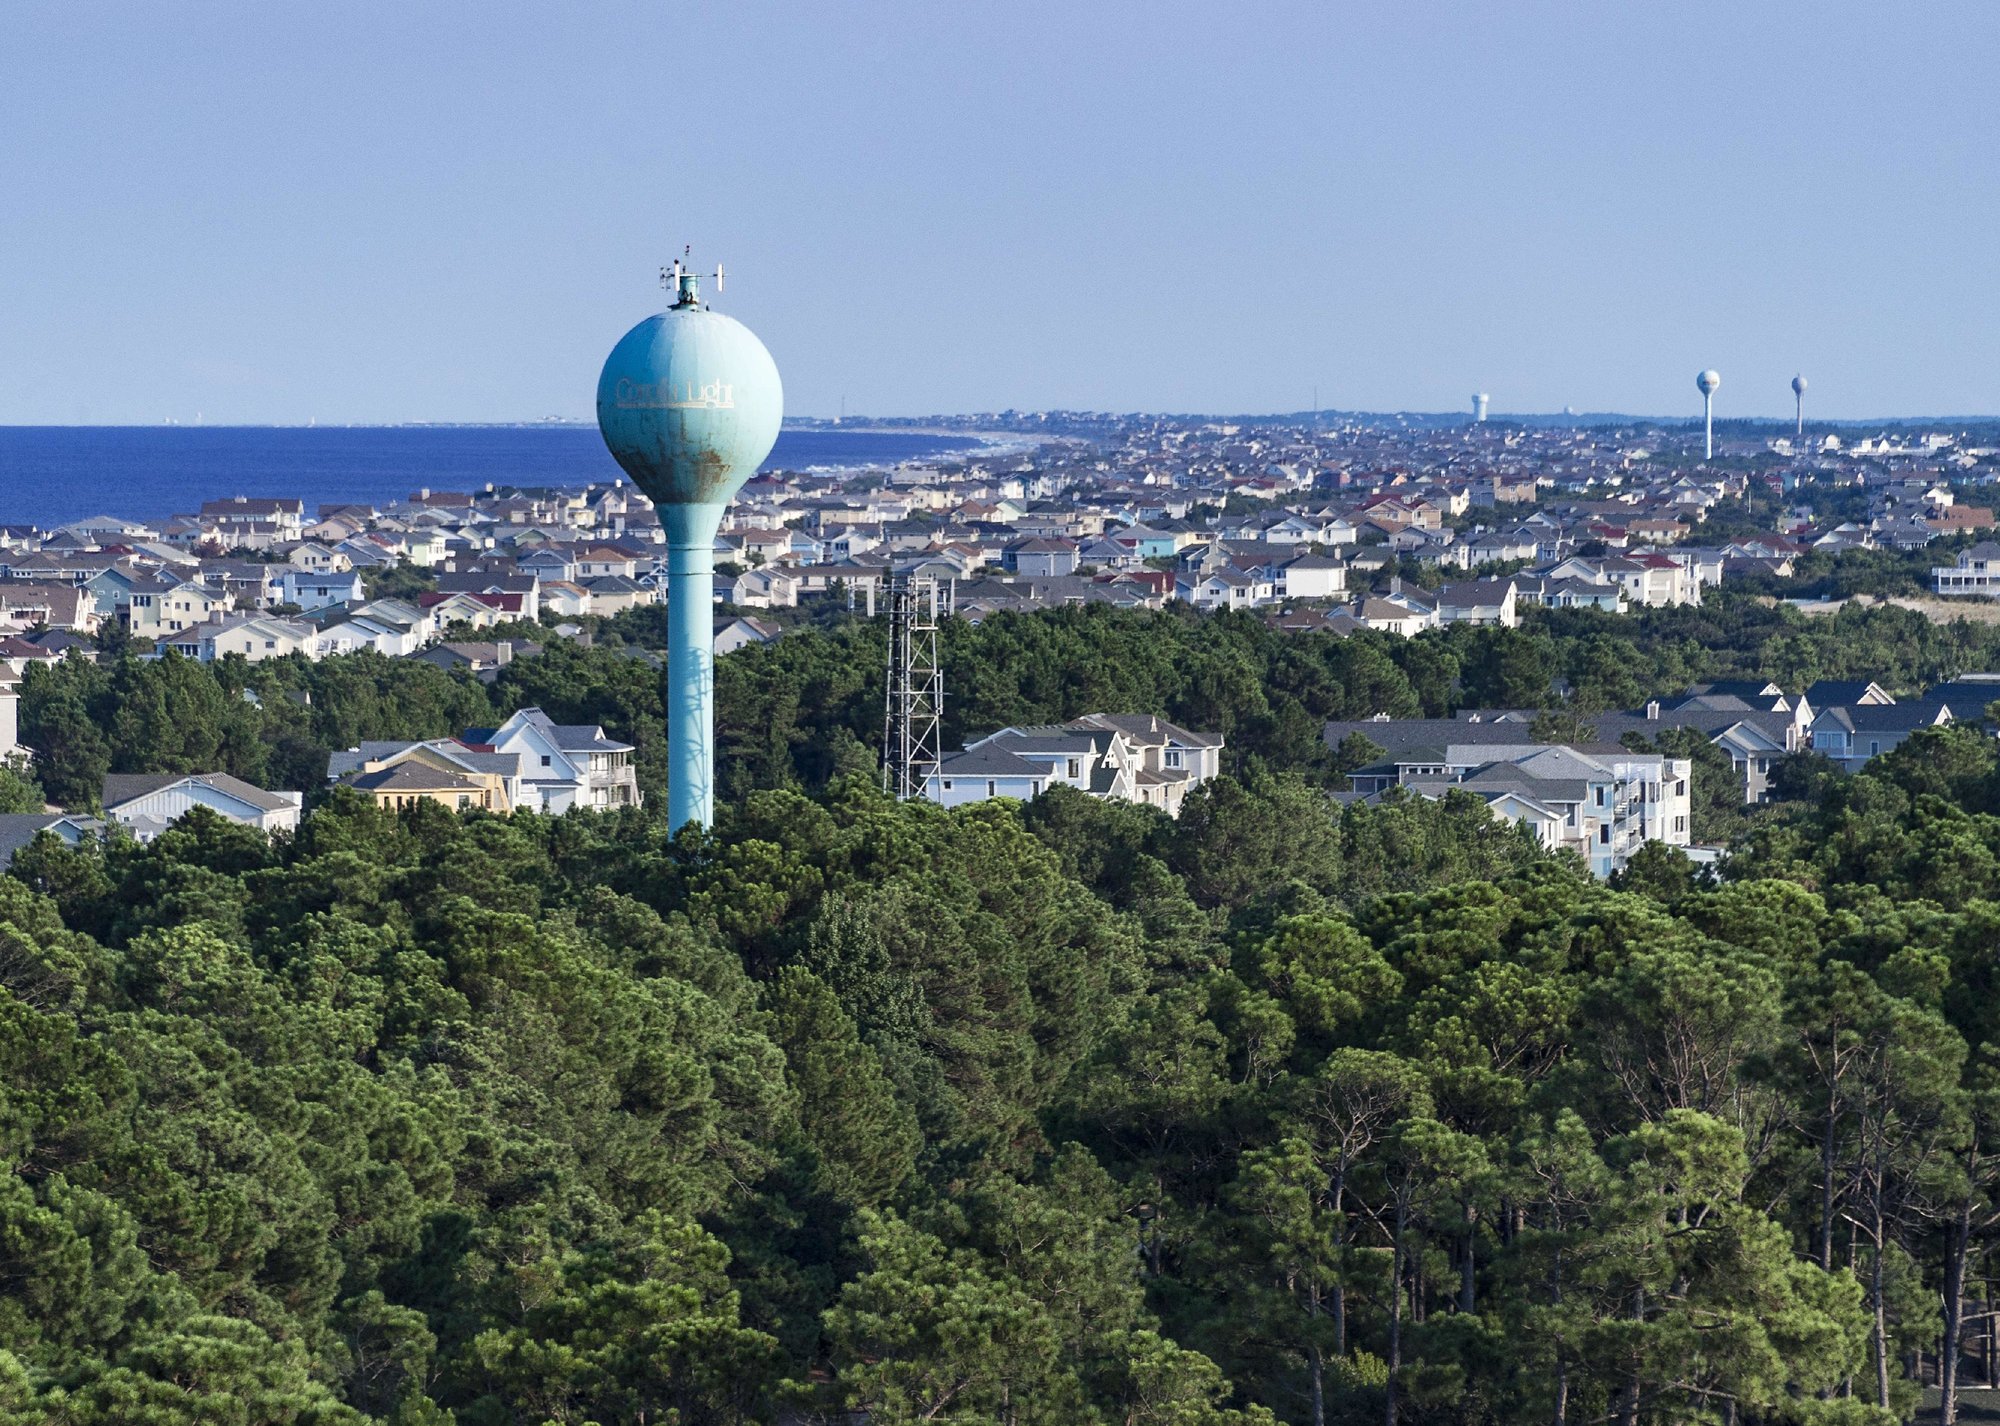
pixel 18 829
pixel 1480 602
pixel 739 633
pixel 1120 757
pixel 563 765
pixel 316 589
pixel 1976 571
pixel 1601 801
pixel 444 771
pixel 1851 736
pixel 252 637
pixel 146 804
pixel 10 722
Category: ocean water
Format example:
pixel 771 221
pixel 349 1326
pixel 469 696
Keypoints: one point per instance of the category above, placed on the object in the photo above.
pixel 53 474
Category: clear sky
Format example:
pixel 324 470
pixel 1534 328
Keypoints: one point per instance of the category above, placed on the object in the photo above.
pixel 444 211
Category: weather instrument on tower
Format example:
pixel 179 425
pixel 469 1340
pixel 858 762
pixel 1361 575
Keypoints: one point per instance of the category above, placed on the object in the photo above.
pixel 689 403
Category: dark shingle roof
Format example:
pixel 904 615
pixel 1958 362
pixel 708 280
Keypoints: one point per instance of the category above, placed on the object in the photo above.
pixel 123 787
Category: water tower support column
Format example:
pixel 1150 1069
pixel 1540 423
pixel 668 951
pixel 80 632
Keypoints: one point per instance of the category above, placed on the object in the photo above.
pixel 690 531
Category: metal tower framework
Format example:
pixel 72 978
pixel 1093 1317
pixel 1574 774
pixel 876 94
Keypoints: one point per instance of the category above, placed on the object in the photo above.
pixel 914 703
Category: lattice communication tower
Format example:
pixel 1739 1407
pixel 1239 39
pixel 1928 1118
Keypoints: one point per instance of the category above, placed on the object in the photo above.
pixel 914 704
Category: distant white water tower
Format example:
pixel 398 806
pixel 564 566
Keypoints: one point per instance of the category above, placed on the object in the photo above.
pixel 1706 384
pixel 1799 395
pixel 1478 406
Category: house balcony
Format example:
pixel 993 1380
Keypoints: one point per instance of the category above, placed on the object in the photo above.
pixel 617 787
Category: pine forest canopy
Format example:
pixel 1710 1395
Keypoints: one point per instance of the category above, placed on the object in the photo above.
pixel 1063 1112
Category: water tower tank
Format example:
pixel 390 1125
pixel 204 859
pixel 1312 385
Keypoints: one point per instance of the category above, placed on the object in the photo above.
pixel 689 404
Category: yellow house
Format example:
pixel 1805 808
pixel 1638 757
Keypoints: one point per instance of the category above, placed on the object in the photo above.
pixel 422 773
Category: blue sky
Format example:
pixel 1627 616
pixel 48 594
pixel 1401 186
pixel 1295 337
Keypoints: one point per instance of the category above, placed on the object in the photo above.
pixel 379 212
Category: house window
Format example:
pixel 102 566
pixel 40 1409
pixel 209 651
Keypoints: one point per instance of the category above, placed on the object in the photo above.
pixel 1173 757
pixel 1604 834
pixel 1075 767
pixel 1874 747
pixel 1600 797
pixel 545 759
pixel 1680 824
pixel 992 788
pixel 947 784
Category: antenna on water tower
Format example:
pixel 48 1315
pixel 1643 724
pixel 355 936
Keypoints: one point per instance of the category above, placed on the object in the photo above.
pixel 1706 384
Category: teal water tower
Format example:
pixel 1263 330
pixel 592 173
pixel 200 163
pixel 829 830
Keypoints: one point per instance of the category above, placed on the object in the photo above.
pixel 690 404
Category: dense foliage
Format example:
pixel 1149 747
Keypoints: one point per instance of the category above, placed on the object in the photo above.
pixel 1056 1113
pixel 799 711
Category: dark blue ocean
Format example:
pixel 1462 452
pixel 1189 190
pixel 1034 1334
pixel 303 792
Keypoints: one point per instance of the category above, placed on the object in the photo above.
pixel 53 474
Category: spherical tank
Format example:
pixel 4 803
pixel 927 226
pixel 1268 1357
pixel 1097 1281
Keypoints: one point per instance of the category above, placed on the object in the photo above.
pixel 1798 386
pixel 1707 382
pixel 689 404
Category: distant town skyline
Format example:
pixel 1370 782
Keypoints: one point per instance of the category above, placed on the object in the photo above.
pixel 376 213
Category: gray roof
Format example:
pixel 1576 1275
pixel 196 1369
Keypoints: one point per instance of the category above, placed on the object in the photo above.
pixel 1040 740
pixel 1829 691
pixel 121 788
pixel 346 760
pixel 17 829
pixel 989 762
pixel 1146 728
pixel 414 776
pixel 1883 717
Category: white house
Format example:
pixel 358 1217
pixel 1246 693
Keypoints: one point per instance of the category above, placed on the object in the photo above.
pixel 1225 588
pixel 10 723
pixel 316 589
pixel 146 804
pixel 1390 617
pixel 564 765
pixel 252 636
pixel 1976 571
pixel 1310 576
pixel 1135 758
pixel 1487 602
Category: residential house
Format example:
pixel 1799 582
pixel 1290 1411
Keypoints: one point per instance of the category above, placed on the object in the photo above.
pixel 564 766
pixel 316 589
pixel 1600 800
pixel 168 604
pixel 1133 758
pixel 1853 735
pixel 1043 557
pixel 146 804
pixel 1483 602
pixel 1388 617
pixel 31 605
pixel 443 770
pixel 285 517
pixel 1974 571
pixel 19 829
pixel 742 632
pixel 1309 576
